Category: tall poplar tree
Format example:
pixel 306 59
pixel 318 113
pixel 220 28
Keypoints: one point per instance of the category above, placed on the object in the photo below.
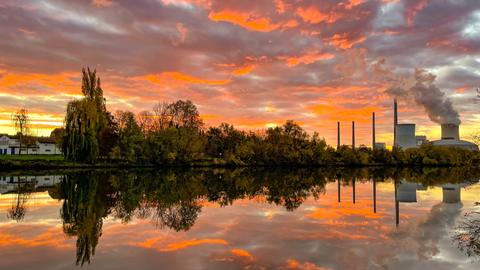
pixel 85 121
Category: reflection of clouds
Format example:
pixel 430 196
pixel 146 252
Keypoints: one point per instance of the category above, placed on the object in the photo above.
pixel 320 234
pixel 29 236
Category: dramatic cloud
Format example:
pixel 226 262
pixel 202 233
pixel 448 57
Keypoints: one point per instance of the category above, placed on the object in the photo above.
pixel 313 63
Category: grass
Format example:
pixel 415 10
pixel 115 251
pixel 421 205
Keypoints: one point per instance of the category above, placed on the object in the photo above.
pixel 32 157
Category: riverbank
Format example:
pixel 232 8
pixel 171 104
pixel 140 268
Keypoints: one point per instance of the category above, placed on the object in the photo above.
pixel 37 162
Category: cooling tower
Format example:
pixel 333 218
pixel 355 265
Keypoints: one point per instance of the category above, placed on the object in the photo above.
pixel 405 136
pixel 450 132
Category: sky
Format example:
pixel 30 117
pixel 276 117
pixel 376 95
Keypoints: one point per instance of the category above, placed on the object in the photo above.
pixel 254 64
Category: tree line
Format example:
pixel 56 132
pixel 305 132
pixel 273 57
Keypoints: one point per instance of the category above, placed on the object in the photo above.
pixel 174 134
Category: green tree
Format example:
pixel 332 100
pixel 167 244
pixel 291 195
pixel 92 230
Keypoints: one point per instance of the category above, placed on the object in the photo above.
pixel 58 134
pixel 86 120
pixel 130 135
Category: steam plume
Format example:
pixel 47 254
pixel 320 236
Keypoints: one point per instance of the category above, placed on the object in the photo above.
pixel 425 93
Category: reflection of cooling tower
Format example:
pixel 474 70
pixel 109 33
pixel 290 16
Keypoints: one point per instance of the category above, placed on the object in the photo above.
pixel 406 136
pixel 451 193
pixel 407 192
pixel 450 132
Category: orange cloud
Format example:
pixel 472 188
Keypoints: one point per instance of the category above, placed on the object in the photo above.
pixel 244 70
pixel 242 253
pixel 294 264
pixel 343 42
pixel 313 15
pixel 102 3
pixel 308 58
pixel 173 76
pixel 244 20
pixel 194 242
pixel 65 81
pixel 280 6
pixel 250 21
pixel 339 113
pixel 353 3
pixel 48 237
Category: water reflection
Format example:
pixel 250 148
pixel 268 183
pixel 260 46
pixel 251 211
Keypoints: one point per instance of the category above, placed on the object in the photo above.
pixel 174 199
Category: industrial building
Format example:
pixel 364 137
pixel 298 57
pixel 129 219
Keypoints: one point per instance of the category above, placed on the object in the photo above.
pixel 405 137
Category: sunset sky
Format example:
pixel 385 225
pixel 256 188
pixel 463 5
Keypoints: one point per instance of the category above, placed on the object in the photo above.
pixel 254 64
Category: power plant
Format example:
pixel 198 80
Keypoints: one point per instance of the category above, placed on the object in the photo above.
pixel 405 138
pixel 404 135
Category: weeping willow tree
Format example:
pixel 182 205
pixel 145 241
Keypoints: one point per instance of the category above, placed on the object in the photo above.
pixel 85 120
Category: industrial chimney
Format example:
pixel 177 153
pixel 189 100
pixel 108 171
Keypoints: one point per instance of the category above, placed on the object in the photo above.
pixel 353 135
pixel 338 135
pixel 450 132
pixel 395 122
pixel 373 130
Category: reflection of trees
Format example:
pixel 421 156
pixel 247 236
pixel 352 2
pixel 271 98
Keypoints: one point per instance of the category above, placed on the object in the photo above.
pixel 83 208
pixel 18 210
pixel 179 217
pixel 467 236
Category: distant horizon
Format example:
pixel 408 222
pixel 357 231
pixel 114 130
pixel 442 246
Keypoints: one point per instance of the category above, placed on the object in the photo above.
pixel 252 64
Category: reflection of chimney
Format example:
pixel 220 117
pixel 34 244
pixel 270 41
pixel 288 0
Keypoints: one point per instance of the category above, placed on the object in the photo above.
pixel 353 186
pixel 395 122
pixel 450 132
pixel 338 189
pixel 338 135
pixel 353 135
pixel 397 205
pixel 374 195
pixel 373 130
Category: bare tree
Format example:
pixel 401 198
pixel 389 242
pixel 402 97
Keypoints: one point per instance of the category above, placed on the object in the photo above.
pixel 467 235
pixel 162 115
pixel 145 121
pixel 21 121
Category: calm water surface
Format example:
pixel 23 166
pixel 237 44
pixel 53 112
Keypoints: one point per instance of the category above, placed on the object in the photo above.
pixel 237 219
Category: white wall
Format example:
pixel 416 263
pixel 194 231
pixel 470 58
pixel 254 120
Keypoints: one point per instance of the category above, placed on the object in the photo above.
pixel 48 149
pixel 7 144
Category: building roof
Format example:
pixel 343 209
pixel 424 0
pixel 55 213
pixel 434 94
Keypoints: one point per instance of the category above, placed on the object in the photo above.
pixel 45 140
pixel 38 139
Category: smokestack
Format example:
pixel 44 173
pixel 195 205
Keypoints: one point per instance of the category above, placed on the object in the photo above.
pixel 338 135
pixel 353 135
pixel 373 130
pixel 450 132
pixel 395 122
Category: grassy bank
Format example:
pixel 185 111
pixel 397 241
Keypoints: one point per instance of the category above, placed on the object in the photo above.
pixel 47 162
pixel 31 157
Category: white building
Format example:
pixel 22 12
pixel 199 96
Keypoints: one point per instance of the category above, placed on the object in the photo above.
pixel 10 145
